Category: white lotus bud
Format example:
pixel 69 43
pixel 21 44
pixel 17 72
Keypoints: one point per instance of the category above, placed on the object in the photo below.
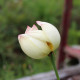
pixel 39 43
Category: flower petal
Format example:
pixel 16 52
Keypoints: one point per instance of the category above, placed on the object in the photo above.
pixel 34 48
pixel 31 29
pixel 51 32
pixel 27 30
pixel 34 27
pixel 39 34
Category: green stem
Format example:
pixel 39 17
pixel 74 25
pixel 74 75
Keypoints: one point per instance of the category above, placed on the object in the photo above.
pixel 52 58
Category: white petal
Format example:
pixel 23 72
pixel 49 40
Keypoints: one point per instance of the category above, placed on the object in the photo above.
pixel 51 32
pixel 28 29
pixel 39 34
pixel 34 27
pixel 34 48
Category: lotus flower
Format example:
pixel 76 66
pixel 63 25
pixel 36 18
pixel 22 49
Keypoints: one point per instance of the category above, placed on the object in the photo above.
pixel 39 43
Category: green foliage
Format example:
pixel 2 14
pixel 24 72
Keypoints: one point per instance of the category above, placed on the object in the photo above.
pixel 15 15
pixel 74 35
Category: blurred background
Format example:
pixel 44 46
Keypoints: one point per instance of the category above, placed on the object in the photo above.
pixel 15 15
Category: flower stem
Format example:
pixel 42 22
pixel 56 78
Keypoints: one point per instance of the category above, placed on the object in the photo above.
pixel 52 58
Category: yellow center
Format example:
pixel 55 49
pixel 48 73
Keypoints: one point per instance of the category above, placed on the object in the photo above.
pixel 50 45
